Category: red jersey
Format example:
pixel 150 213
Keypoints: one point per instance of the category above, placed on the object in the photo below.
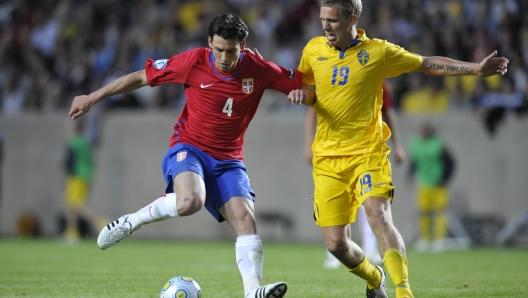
pixel 387 98
pixel 219 106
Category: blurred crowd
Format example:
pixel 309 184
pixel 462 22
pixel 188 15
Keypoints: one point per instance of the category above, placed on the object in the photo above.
pixel 52 50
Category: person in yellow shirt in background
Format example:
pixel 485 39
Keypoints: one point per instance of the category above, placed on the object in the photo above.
pixel 432 166
pixel 350 164
pixel 79 170
pixel 425 98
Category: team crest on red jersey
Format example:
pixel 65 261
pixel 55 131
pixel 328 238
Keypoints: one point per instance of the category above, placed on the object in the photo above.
pixel 247 85
pixel 181 156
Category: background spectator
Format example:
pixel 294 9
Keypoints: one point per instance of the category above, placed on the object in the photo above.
pixel 79 172
pixel 432 165
pixel 53 49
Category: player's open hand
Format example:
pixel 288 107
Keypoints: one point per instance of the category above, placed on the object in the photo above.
pixel 255 52
pixel 399 154
pixel 308 154
pixel 493 65
pixel 81 105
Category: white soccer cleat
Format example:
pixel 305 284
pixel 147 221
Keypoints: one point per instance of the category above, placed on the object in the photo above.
pixel 115 232
pixel 380 291
pixel 276 290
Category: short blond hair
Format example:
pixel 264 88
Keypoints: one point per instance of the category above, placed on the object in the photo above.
pixel 348 7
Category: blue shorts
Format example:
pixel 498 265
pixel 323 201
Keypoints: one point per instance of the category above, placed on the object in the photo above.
pixel 224 179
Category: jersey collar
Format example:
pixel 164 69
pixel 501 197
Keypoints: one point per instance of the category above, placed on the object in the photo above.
pixel 222 75
pixel 361 36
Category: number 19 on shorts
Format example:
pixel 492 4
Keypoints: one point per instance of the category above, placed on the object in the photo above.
pixel 366 184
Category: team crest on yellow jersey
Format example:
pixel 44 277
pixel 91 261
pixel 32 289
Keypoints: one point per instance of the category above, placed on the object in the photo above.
pixel 363 57
pixel 247 85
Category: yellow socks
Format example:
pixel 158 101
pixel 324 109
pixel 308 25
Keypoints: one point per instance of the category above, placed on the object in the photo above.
pixel 71 235
pixel 396 265
pixel 440 226
pixel 101 222
pixel 368 272
pixel 425 226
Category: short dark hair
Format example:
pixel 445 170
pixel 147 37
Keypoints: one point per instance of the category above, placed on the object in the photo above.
pixel 229 27
pixel 348 7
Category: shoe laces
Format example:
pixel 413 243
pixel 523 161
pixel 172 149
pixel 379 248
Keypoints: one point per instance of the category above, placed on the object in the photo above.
pixel 121 231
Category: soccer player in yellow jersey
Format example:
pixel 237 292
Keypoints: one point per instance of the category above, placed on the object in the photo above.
pixel 350 163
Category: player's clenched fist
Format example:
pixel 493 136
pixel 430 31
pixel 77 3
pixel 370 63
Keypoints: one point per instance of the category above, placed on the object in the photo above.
pixel 305 96
pixel 297 97
pixel 80 106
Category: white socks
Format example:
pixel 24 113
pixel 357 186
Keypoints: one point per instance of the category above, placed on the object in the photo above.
pixel 162 208
pixel 250 258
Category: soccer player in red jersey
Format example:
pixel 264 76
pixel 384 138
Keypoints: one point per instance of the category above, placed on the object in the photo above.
pixel 204 163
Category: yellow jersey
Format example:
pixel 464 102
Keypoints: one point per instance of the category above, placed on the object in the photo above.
pixel 348 85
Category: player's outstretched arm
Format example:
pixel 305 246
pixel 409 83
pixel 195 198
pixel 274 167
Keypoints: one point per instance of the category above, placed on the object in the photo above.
pixel 443 66
pixel 305 96
pixel 81 104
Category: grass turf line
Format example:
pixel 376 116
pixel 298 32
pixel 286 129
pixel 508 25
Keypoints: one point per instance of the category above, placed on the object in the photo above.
pixel 49 268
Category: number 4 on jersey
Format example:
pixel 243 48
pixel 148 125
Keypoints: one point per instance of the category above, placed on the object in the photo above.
pixel 228 107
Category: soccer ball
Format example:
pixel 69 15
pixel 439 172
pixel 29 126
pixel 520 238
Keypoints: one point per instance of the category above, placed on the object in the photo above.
pixel 181 287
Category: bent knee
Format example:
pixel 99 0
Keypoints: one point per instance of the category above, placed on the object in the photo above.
pixel 190 204
pixel 335 246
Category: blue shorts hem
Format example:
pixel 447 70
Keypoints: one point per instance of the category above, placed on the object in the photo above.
pixel 188 168
pixel 215 210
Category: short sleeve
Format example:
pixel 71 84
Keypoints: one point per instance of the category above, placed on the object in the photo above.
pixel 173 70
pixel 306 69
pixel 399 61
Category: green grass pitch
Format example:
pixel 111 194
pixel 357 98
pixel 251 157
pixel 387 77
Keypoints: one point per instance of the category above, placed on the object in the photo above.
pixel 139 268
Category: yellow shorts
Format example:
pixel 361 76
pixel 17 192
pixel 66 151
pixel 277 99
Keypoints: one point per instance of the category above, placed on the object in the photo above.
pixel 76 192
pixel 343 183
pixel 432 198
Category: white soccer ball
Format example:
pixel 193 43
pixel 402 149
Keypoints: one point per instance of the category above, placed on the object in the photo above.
pixel 181 287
